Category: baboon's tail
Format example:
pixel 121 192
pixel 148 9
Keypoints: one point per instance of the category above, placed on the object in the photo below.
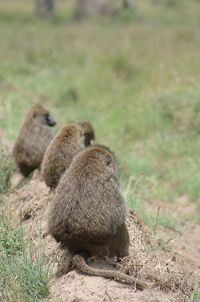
pixel 80 264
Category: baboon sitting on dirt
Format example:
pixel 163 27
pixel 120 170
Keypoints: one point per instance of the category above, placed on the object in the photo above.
pixel 33 139
pixel 69 141
pixel 88 213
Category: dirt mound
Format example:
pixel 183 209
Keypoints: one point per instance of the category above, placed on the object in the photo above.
pixel 75 287
pixel 163 271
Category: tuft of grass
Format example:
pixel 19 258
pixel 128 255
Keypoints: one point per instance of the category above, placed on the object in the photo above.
pixel 23 275
pixel 137 195
pixel 6 169
pixel 134 194
pixel 11 240
pixel 195 297
pixel 160 219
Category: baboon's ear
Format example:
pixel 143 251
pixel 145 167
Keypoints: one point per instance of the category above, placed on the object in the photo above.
pixel 108 161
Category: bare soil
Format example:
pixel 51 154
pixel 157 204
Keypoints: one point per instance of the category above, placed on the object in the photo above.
pixel 171 272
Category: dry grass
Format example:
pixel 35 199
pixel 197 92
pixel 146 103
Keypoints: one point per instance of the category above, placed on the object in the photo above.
pixel 162 270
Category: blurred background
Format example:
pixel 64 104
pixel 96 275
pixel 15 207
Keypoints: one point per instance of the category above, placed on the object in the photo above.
pixel 132 68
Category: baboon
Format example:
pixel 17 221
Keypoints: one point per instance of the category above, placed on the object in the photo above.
pixel 69 141
pixel 33 139
pixel 87 214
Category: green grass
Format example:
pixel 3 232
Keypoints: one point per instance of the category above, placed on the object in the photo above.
pixel 6 169
pixel 135 77
pixel 22 278
pixel 195 297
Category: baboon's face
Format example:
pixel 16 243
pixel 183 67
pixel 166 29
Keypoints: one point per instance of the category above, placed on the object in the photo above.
pixel 88 137
pixel 49 120
pixel 44 118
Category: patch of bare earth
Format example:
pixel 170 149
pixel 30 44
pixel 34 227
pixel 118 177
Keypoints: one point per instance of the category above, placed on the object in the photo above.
pixel 165 272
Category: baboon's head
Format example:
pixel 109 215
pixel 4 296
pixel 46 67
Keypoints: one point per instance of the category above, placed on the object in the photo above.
pixel 104 155
pixel 97 159
pixel 41 115
pixel 72 134
pixel 88 133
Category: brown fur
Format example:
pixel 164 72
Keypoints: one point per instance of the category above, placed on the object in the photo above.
pixel 88 132
pixel 88 213
pixel 33 139
pixel 69 141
